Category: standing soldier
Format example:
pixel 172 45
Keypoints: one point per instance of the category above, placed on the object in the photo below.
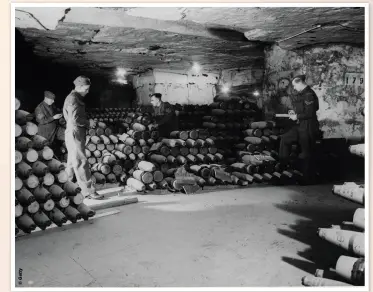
pixel 75 137
pixel 165 115
pixel 47 118
pixel 306 130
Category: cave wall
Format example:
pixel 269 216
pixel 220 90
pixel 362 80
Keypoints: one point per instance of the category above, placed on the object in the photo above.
pixel 242 82
pixel 185 87
pixel 243 76
pixel 334 72
pixel 143 84
pixel 180 87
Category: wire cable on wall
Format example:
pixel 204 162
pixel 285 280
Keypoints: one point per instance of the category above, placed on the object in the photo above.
pixel 32 16
pixel 351 28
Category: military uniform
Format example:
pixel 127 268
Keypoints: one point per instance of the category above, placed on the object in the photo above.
pixel 48 126
pixel 306 130
pixel 75 137
pixel 166 119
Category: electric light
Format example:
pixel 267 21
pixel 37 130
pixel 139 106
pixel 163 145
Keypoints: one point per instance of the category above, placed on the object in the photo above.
pixel 121 72
pixel 196 67
pixel 225 89
pixel 121 81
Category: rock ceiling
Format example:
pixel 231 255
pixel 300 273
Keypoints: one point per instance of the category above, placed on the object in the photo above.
pixel 102 39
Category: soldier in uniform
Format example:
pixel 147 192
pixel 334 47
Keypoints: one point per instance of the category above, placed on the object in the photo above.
pixel 47 117
pixel 306 128
pixel 165 115
pixel 75 137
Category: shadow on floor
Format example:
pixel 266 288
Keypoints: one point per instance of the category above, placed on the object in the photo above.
pixel 318 213
pixel 306 266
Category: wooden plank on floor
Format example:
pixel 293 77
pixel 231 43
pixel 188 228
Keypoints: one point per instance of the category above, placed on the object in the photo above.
pixel 114 190
pixel 111 202
pixel 110 192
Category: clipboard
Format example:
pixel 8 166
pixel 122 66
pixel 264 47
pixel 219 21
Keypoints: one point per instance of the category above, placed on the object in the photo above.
pixel 282 115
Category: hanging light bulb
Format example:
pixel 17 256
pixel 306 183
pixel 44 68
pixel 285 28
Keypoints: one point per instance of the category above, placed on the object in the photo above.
pixel 256 93
pixel 225 89
pixel 121 72
pixel 196 67
pixel 122 81
pixel 120 76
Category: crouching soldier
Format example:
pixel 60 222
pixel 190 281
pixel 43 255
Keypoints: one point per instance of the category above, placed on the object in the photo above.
pixel 165 115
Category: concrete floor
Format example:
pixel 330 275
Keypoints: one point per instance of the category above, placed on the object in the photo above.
pixel 262 236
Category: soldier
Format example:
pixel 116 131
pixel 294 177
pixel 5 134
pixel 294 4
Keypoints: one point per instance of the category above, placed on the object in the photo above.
pixel 165 115
pixel 47 117
pixel 306 129
pixel 75 136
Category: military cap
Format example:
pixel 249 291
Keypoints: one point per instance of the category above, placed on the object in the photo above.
pixel 82 80
pixel 49 94
pixel 157 95
pixel 300 77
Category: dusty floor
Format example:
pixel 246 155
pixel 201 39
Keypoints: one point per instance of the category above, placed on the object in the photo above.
pixel 263 236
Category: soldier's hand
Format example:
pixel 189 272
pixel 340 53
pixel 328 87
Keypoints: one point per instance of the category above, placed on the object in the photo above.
pixel 153 126
pixel 57 116
pixel 293 117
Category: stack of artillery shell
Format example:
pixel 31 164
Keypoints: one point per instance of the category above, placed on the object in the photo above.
pixel 146 177
pixel 121 138
pixel 187 147
pixel 209 135
pixel 352 241
pixel 348 271
pixel 260 168
pixel 247 144
pixel 224 120
pixel 41 183
pixel 139 143
pixel 350 237
pixel 259 153
pixel 350 191
pixel 212 174
pixel 260 136
pixel 218 115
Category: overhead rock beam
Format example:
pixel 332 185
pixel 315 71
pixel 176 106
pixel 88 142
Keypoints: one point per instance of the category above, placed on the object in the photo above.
pixel 120 19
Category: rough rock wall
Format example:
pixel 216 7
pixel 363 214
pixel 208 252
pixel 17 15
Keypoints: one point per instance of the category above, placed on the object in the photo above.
pixel 243 82
pixel 202 88
pixel 188 88
pixel 176 87
pixel 144 85
pixel 334 72
pixel 245 76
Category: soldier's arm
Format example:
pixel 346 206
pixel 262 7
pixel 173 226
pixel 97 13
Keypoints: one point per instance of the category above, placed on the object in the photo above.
pixel 310 106
pixel 42 117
